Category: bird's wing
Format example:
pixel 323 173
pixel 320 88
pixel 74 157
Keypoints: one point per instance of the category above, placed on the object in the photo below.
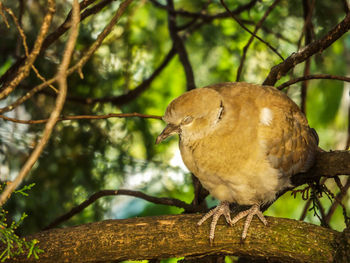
pixel 290 143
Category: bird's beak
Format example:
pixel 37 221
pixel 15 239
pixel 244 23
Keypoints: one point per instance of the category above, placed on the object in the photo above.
pixel 169 130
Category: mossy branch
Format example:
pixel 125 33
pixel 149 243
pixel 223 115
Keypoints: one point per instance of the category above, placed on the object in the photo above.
pixel 283 240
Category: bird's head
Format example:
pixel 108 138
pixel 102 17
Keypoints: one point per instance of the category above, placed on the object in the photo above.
pixel 193 115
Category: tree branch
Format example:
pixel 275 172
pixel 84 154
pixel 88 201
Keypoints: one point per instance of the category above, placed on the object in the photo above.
pixel 156 200
pixel 347 145
pixel 257 27
pixel 78 66
pixel 207 17
pixel 315 76
pixel 180 47
pixel 23 71
pixel 308 8
pixel 338 199
pixel 132 94
pixel 83 117
pixel 67 22
pixel 323 167
pixel 250 32
pixel 52 37
pixel 314 47
pixel 328 164
pixel 23 37
pixel 3 16
pixel 146 238
pixel 116 100
pixel 62 82
pixel 309 200
pixel 179 236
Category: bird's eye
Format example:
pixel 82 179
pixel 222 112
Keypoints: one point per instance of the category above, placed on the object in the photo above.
pixel 187 120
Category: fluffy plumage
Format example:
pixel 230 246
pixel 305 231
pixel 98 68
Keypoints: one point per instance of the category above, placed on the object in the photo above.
pixel 243 142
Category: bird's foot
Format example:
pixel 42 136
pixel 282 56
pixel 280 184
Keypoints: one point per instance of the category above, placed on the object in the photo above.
pixel 254 210
pixel 222 209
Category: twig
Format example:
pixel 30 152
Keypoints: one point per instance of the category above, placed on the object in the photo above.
pixel 61 29
pixel 23 71
pixel 116 100
pixel 340 196
pixel 314 47
pixel 207 17
pixel 308 26
pixel 83 117
pixel 316 206
pixel 3 15
pixel 308 203
pixel 315 76
pixel 305 210
pixel 323 213
pixel 257 27
pixel 19 28
pixel 132 94
pixel 346 6
pixel 338 183
pixel 78 66
pixel 180 47
pixel 67 23
pixel 20 16
pixel 347 144
pixel 304 86
pixel 62 82
pixel 305 192
pixel 278 35
pixel 138 194
pixel 308 7
pixel 339 201
pixel 57 33
pixel 250 32
pixel 25 46
pixel 186 25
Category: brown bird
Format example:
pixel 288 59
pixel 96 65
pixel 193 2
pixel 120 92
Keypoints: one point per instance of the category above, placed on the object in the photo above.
pixel 243 142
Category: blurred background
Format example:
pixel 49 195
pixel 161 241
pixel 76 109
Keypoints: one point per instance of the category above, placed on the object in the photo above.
pixel 86 156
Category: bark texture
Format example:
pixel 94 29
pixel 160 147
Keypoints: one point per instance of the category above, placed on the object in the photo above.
pixel 168 236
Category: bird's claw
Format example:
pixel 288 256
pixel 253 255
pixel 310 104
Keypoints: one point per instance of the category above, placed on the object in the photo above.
pixel 222 209
pixel 254 210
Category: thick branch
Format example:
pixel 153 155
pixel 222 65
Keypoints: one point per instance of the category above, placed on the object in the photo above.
pixel 328 164
pixel 316 46
pixel 284 240
pixel 342 158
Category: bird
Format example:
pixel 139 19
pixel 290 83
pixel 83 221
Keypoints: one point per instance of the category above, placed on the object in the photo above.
pixel 243 142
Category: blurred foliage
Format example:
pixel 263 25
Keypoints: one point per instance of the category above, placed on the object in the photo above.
pixel 83 157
